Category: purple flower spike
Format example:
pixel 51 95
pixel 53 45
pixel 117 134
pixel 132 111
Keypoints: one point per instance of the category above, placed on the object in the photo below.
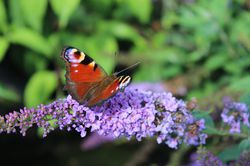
pixel 95 140
pixel 133 113
pixel 235 113
pixel 205 158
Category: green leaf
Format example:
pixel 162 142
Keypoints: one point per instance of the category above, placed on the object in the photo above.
pixel 147 72
pixel 245 145
pixel 206 116
pixel 6 93
pixel 215 62
pixel 140 9
pixel 171 71
pixel 230 153
pixel 64 9
pixel 241 84
pixel 39 88
pixel 16 14
pixel 33 12
pixel 34 62
pixel 239 29
pixel 213 131
pixel 4 44
pixel 3 17
pixel 31 39
pixel 124 31
pixel 245 98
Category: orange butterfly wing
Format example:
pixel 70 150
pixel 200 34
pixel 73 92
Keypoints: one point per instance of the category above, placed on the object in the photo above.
pixel 82 73
pixel 108 88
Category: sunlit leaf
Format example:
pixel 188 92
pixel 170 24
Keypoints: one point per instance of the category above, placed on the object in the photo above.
pixel 16 13
pixel 33 12
pixel 148 72
pixel 241 84
pixel 4 44
pixel 3 17
pixel 236 66
pixel 239 30
pixel 31 39
pixel 124 31
pixel 64 9
pixel 39 88
pixel 141 9
pixel 215 61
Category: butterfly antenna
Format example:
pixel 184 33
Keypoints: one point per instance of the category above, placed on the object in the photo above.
pixel 132 66
pixel 115 58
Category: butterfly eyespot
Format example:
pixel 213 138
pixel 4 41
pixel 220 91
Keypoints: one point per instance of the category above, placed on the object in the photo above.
pixel 73 55
pixel 77 55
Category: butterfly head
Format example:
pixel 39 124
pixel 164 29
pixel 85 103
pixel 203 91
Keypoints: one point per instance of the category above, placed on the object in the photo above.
pixel 123 82
pixel 73 55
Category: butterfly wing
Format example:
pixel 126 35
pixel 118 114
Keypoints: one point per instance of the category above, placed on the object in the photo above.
pixel 82 73
pixel 107 88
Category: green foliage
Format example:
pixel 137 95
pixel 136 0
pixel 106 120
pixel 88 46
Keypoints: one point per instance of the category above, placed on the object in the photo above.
pixel 246 99
pixel 207 42
pixel 30 39
pixel 8 94
pixel 241 84
pixel 34 12
pixel 245 145
pixel 4 44
pixel 211 37
pixel 64 9
pixel 3 17
pixel 230 153
pixel 140 9
pixel 38 89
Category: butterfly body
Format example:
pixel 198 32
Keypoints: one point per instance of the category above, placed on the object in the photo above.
pixel 86 81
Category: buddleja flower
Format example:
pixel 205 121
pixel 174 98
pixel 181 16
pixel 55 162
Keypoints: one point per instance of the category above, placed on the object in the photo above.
pixel 95 140
pixel 244 159
pixel 205 158
pixel 235 113
pixel 132 113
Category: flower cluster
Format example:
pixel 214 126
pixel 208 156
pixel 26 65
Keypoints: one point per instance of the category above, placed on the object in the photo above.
pixel 205 158
pixel 95 140
pixel 235 113
pixel 132 113
pixel 244 159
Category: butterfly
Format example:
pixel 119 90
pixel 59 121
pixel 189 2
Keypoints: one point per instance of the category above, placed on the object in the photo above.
pixel 86 81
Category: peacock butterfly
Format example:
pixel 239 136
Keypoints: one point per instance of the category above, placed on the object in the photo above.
pixel 86 81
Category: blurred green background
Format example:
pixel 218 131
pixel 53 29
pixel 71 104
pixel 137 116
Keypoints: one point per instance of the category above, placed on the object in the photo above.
pixel 196 48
